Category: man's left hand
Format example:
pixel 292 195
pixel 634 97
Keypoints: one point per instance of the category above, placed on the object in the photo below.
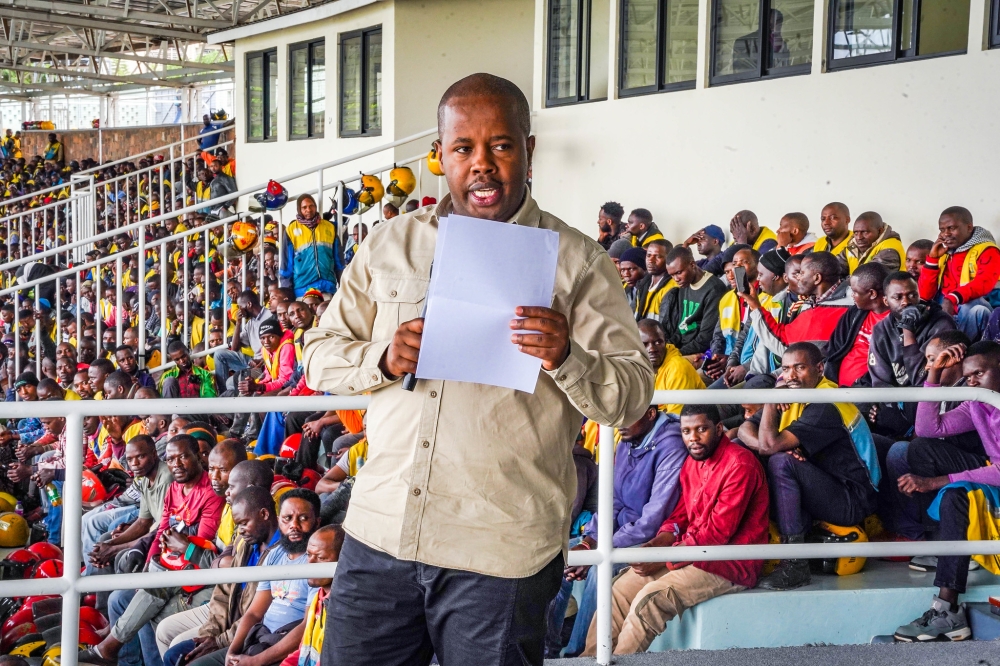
pixel 550 343
pixel 174 541
pixel 911 483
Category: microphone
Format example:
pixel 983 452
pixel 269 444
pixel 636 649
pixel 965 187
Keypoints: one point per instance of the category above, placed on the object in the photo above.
pixel 409 379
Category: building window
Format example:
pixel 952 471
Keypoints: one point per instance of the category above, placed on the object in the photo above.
pixel 784 28
pixel 361 83
pixel 262 95
pixel 658 46
pixel 578 38
pixel 995 25
pixel 868 32
pixel 307 101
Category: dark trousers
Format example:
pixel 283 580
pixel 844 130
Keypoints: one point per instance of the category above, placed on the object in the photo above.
pixel 953 570
pixel 308 453
pixel 801 493
pixel 388 612
pixel 936 457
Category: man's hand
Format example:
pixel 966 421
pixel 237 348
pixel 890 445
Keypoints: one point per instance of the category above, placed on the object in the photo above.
pixel 750 298
pixel 662 540
pixel 692 239
pixel 734 375
pixel 909 318
pixel 118 531
pixel 402 353
pixel 25 453
pixel 938 250
pixel 311 429
pixel 103 555
pixel 911 483
pixel 948 307
pixel 203 645
pixel 550 343
pixel 241 660
pixel 43 477
pixel 18 472
pixel 247 386
pixel 174 541
pixel 715 366
pixel 738 228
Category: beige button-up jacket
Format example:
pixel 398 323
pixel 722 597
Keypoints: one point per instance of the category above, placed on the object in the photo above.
pixel 467 476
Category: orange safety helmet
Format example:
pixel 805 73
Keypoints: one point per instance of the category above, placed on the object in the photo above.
pixel 434 162
pixel 46 551
pixel 290 446
pixel 93 489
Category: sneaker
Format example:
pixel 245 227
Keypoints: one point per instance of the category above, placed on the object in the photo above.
pixel 937 624
pixel 788 575
pixel 927 563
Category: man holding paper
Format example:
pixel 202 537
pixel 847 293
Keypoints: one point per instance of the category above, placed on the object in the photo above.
pixel 458 520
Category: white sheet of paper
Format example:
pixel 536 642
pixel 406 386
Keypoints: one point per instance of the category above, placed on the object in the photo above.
pixel 482 271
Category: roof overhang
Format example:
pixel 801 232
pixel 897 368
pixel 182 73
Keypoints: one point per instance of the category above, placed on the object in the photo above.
pixel 290 20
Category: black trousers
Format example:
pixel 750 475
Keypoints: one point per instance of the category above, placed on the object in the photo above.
pixel 389 612
pixel 953 571
pixel 308 453
pixel 936 457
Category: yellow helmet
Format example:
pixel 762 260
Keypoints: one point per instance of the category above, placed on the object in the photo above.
pixel 371 191
pixel 7 502
pixel 52 656
pixel 29 649
pixel 13 530
pixel 402 182
pixel 242 238
pixel 841 566
pixel 434 163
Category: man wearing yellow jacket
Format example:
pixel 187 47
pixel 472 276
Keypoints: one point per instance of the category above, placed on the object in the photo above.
pixel 874 240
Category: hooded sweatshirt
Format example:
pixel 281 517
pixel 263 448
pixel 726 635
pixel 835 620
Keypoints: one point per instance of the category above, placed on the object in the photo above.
pixel 886 250
pixel 965 274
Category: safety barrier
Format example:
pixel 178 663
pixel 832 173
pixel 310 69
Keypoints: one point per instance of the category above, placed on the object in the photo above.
pixel 71 584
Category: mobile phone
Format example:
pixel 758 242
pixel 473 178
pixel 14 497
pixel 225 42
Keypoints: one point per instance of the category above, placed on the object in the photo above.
pixel 740 275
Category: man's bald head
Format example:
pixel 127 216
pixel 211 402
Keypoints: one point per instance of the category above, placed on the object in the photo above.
pixel 488 85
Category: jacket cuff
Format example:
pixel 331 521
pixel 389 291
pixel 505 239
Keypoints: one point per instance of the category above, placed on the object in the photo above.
pixel 955 298
pixel 572 369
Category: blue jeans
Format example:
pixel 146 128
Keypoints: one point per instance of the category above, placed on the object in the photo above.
pixel 972 318
pixel 98 522
pixel 131 652
pixel 175 652
pixel 226 361
pixel 53 516
pixel 587 609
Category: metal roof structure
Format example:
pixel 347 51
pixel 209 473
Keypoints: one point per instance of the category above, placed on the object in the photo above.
pixel 106 46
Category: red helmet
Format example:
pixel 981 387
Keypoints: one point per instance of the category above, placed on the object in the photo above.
pixel 88 636
pixel 309 479
pixel 89 600
pixel 10 637
pixel 290 446
pixel 93 489
pixel 20 617
pixel 92 618
pixel 23 556
pixel 48 569
pixel 274 188
pixel 46 551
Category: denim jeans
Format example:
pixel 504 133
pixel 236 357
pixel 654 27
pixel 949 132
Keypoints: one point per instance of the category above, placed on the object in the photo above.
pixel 98 522
pixel 226 361
pixel 176 651
pixel 972 318
pixel 586 611
pixel 133 614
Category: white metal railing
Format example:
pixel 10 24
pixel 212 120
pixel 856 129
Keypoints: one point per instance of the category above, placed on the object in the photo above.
pixel 71 584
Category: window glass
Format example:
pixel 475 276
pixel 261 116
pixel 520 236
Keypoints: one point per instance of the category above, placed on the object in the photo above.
pixel 564 26
pixel 350 91
pixel 944 26
pixel 272 94
pixel 639 19
pixel 862 27
pixel 681 43
pixel 791 29
pixel 373 82
pixel 318 89
pixel 255 98
pixel 737 37
pixel 299 70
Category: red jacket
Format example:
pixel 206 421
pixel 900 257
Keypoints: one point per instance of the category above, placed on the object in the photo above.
pixel 724 501
pixel 987 274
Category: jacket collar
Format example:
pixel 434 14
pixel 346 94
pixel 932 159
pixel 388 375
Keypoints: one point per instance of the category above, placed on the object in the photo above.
pixel 528 215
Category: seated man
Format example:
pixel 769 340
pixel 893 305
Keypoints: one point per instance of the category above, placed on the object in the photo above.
pixel 733 312
pixel 127 363
pixel 723 502
pixel 746 230
pixel 898 345
pixel 641 227
pixel 874 240
pixel 648 461
pixel 794 235
pixel 709 241
pixel 632 268
pixel 656 283
pixel 689 312
pixel 916 255
pixel 185 379
pixel 835 220
pixel 821 465
pixel 961 269
pixel 847 353
pixel 272 626
pixel 673 371
pixel 937 465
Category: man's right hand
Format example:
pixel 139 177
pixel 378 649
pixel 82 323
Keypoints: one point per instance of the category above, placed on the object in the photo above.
pixel 103 554
pixel 938 250
pixel 404 350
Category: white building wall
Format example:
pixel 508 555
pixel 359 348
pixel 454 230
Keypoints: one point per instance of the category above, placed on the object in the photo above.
pixel 905 139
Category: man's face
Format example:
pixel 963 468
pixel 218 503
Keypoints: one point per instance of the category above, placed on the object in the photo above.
pixel 53 425
pixel 185 464
pixel 130 337
pixel 215 167
pixel 655 344
pixel 949 376
pixel 297 521
pixel 81 385
pixel 701 437
pixel 865 299
pixel 246 310
pixel 834 222
pixel 65 369
pixel 656 260
pixel 799 372
pixel 769 282
pixel 220 464
pixel 630 273
pixel 97 377
pixel 116 425
pixel 636 225
pixel 682 271
pixel 901 294
pixel 809 279
pixel 979 372
pixel 238 482
pixel 155 425
pixel 744 259
pixel 253 526
pixel 788 232
pixel 299 315
pixel 28 393
pixel 65 350
pixel 639 429
pixel 176 426
pixel 270 341
pixel 141 459
pixel 707 245
pixel 915 258
pixel 215 338
pixel 108 338
pixel 953 232
pixel 865 233
pixel 604 222
pixel 485 157
pixel 321 548
pixel 281 311
pixel 182 359
pixel 126 361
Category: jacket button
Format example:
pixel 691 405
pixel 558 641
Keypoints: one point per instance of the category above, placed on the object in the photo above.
pixel 585 406
pixel 434 394
pixel 425 444
pixel 416 491
pixel 374 378
pixel 393 293
pixel 350 388
pixel 562 378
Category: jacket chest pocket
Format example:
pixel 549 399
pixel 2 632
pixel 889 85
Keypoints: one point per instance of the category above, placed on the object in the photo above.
pixel 399 299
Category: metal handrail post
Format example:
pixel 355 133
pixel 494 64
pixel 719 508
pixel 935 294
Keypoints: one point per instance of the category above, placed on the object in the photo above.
pixel 72 502
pixel 605 538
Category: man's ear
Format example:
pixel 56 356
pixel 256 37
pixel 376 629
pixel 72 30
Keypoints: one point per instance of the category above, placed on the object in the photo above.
pixel 436 145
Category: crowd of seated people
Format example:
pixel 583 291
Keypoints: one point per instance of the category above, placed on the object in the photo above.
pixel 747 307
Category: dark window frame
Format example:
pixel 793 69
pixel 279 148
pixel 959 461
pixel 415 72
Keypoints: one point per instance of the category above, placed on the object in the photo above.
pixel 895 54
pixel 584 9
pixel 365 130
pixel 762 72
pixel 994 41
pixel 661 36
pixel 308 46
pixel 265 94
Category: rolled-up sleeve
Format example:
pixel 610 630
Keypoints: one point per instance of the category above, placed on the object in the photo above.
pixel 607 375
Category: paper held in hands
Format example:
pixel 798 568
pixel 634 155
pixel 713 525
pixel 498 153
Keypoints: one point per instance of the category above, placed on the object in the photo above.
pixel 483 270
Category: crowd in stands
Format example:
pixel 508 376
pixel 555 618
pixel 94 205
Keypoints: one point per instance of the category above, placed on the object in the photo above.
pixel 847 305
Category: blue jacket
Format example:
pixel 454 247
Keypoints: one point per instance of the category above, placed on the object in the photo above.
pixel 312 258
pixel 647 483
